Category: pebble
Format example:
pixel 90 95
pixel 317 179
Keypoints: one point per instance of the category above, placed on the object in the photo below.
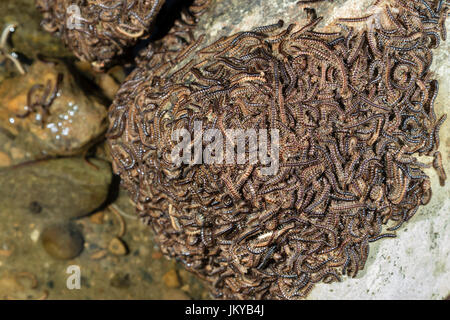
pixel 5 160
pixel 186 288
pixel 35 207
pixel 98 255
pixel 62 241
pixel 34 235
pixel 171 279
pixel 97 218
pixel 117 247
pixel 108 85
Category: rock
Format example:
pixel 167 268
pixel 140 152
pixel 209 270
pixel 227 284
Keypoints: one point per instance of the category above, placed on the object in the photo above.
pixel 98 255
pixel 171 279
pixel 62 241
pixel 103 152
pixel 117 247
pixel 73 188
pixel 5 253
pixel 75 120
pixel 224 18
pixel 35 207
pixel 108 82
pixel 108 85
pixel 5 159
pixel 97 218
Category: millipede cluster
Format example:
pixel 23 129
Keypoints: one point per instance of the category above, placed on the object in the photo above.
pixel 353 109
pixel 99 31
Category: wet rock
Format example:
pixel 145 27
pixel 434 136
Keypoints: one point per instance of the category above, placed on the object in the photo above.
pixel 117 247
pixel 103 152
pixel 73 188
pixel 62 241
pixel 108 82
pixel 5 159
pixel 67 118
pixel 98 255
pixel 171 279
pixel 98 217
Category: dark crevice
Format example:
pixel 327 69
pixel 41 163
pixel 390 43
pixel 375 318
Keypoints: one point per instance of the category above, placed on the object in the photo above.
pixel 169 13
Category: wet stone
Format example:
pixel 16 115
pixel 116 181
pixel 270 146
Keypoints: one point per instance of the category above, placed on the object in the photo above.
pixel 71 123
pixel 171 279
pixel 73 187
pixel 98 217
pixel 5 159
pixel 62 241
pixel 117 247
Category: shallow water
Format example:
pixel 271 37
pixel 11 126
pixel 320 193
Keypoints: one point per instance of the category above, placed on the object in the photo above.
pixel 118 258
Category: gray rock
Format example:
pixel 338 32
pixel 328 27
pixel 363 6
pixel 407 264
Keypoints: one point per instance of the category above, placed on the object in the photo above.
pixel 55 189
